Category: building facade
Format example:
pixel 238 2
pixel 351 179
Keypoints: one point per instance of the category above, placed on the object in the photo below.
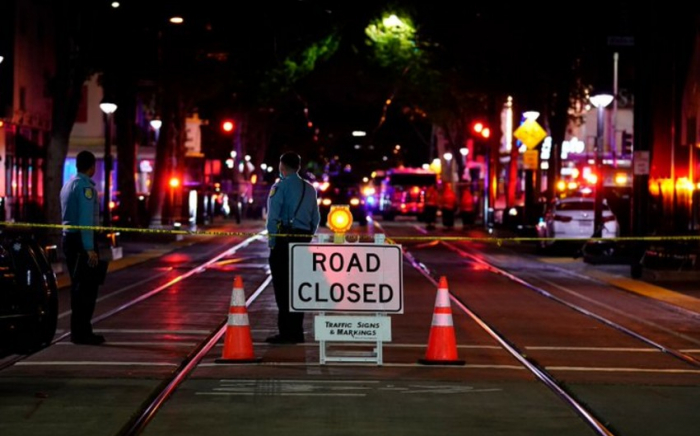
pixel 26 45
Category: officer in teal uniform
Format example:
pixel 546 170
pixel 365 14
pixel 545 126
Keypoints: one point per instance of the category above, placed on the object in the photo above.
pixel 293 215
pixel 80 207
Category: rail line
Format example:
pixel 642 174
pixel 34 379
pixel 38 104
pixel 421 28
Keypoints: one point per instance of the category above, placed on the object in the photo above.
pixel 169 385
pixel 640 337
pixel 540 373
pixel 12 360
pixel 158 397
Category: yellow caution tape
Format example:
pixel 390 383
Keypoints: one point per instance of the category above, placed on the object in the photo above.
pixel 393 240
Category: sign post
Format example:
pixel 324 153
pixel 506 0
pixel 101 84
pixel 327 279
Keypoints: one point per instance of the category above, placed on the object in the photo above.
pixel 348 279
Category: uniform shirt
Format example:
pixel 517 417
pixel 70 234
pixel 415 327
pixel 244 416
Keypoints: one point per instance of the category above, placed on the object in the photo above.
pixel 467 201
pixel 431 196
pixel 449 199
pixel 282 203
pixel 79 207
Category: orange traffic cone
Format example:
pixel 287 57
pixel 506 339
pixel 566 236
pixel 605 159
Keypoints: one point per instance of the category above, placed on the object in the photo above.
pixel 238 343
pixel 442 346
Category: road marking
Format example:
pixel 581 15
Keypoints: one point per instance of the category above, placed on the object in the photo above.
pixel 642 370
pixel 169 342
pixel 446 389
pixel 332 388
pixel 385 364
pixel 282 394
pixel 154 331
pixel 596 349
pixel 92 363
pixel 363 382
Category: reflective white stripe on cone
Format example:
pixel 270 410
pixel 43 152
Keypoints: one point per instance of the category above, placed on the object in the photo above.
pixel 238 343
pixel 442 345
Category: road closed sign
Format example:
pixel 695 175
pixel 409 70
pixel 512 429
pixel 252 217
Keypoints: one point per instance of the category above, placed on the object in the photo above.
pixel 346 278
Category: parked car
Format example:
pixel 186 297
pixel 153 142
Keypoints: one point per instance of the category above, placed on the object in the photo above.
pixel 573 217
pixel 28 293
pixel 342 189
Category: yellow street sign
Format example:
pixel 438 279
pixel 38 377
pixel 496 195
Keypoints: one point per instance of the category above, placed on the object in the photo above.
pixel 530 133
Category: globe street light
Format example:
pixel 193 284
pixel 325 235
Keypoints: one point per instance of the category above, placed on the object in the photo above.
pixel 156 125
pixel 600 101
pixel 108 109
pixel 448 160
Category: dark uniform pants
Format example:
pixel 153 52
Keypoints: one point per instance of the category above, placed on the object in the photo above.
pixel 448 217
pixel 83 290
pixel 430 212
pixel 467 218
pixel 290 324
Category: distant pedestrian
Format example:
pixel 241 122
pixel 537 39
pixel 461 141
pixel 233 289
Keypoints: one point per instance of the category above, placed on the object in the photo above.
pixel 466 207
pixel 293 215
pixel 80 207
pixel 448 205
pixel 430 207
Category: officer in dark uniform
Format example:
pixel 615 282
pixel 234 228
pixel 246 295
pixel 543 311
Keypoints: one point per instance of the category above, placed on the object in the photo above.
pixel 80 207
pixel 293 215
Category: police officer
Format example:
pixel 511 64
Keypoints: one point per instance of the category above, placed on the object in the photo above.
pixel 466 207
pixel 80 207
pixel 448 204
pixel 293 216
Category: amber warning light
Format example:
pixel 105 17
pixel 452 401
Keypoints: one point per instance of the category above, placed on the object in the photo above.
pixel 339 218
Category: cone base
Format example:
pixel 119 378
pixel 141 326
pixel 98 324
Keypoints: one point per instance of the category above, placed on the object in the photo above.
pixel 441 362
pixel 250 360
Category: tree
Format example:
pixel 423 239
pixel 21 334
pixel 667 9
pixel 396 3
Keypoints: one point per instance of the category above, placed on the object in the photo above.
pixel 76 47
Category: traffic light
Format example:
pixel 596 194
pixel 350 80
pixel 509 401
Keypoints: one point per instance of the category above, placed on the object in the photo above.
pixel 481 130
pixel 480 134
pixel 228 126
pixel 627 143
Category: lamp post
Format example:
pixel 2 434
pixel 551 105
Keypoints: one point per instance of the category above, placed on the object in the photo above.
pixel 600 101
pixel 448 160
pixel 156 125
pixel 464 152
pixel 108 109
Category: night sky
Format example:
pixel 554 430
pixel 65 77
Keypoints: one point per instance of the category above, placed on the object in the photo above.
pixel 499 48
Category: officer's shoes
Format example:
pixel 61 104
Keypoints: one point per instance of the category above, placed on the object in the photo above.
pixel 88 339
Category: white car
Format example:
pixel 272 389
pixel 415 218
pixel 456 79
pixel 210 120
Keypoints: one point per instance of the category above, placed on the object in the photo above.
pixel 573 218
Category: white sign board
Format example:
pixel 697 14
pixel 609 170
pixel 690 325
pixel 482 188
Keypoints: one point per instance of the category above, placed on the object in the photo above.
pixel 346 278
pixel 352 328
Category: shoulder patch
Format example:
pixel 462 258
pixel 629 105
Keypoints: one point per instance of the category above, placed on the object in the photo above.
pixel 273 190
pixel 88 193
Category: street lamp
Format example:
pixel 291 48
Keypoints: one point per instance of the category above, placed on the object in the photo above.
pixel 108 109
pixel 448 160
pixel 156 125
pixel 600 101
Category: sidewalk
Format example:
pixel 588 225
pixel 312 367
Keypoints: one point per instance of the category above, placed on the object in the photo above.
pixel 683 291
